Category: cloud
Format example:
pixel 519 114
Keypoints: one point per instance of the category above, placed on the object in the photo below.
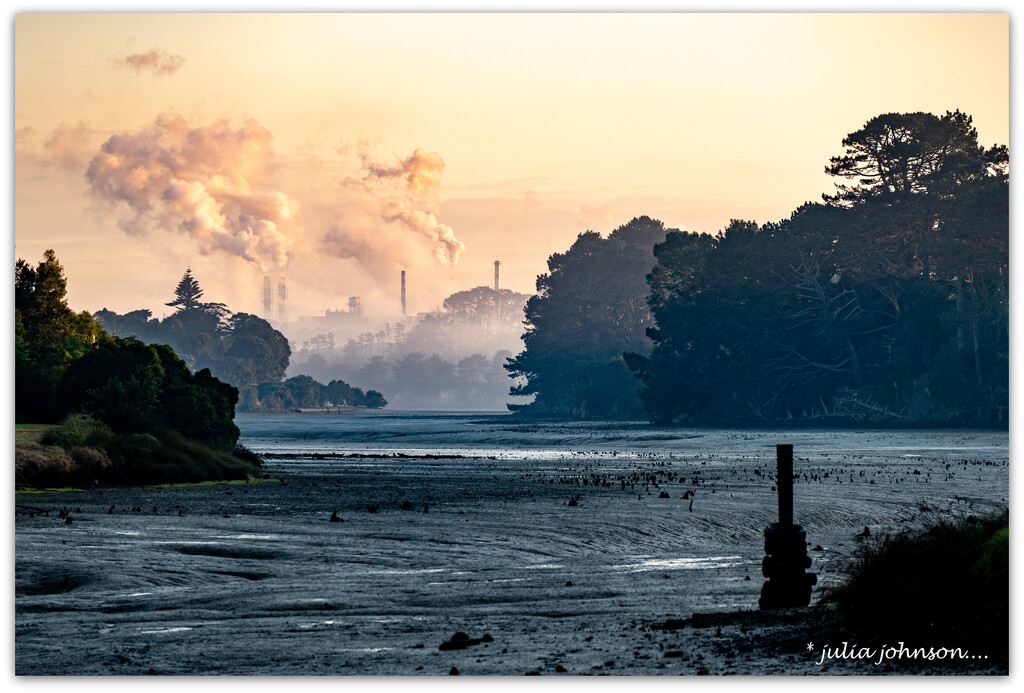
pixel 157 61
pixel 200 182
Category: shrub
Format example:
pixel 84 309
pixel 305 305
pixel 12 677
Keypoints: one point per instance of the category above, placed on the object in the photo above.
pixel 91 463
pixel 993 567
pixel 949 581
pixel 247 455
pixel 41 465
pixel 69 434
pixel 166 456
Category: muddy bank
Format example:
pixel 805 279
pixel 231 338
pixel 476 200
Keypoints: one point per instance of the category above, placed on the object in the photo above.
pixel 256 579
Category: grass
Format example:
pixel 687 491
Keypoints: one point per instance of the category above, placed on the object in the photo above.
pixel 28 433
pixel 75 432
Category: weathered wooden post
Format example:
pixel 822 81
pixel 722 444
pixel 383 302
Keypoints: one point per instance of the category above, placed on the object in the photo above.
pixel 786 547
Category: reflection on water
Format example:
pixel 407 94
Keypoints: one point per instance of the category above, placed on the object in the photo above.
pixel 495 436
pixel 688 563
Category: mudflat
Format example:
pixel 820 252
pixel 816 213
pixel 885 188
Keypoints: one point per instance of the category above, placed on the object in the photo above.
pixel 552 550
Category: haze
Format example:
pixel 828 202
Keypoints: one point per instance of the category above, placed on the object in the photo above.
pixel 337 150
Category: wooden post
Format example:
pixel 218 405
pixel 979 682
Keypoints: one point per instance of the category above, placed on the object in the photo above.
pixel 784 482
pixel 785 546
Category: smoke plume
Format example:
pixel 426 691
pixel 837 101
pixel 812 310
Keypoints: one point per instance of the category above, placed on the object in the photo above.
pixel 421 171
pixel 336 225
pixel 402 195
pixel 198 181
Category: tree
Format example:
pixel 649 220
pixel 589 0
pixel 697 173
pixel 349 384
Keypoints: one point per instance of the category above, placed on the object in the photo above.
pixel 139 388
pixel 425 376
pixel 897 155
pixel 196 335
pixel 305 391
pixel 483 303
pixel 187 295
pixel 374 400
pixel 48 337
pixel 590 307
pixel 137 323
pixel 886 306
pixel 341 394
pixel 119 383
pixel 255 353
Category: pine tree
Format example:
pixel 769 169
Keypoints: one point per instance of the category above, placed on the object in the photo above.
pixel 188 295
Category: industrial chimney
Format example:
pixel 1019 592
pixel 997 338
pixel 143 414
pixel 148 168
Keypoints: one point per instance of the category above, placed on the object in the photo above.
pixel 268 299
pixel 403 292
pixel 496 264
pixel 282 297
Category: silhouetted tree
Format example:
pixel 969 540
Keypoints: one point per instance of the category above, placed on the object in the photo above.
pixel 187 295
pixel 887 305
pixel 590 307
pixel 256 353
pixel 899 155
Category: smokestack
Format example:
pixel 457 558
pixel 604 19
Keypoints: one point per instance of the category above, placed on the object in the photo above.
pixel 403 292
pixel 496 264
pixel 268 298
pixel 282 297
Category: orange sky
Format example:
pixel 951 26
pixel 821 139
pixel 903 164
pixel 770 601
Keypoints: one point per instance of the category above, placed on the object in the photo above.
pixel 337 149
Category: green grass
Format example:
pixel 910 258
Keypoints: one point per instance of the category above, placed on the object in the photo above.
pixel 28 433
pixel 75 432
pixel 32 491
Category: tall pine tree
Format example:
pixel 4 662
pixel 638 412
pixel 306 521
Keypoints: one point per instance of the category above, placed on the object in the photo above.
pixel 188 294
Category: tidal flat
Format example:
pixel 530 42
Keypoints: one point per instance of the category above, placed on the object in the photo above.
pixel 571 546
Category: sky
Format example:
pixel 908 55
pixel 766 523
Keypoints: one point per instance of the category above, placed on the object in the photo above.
pixel 332 151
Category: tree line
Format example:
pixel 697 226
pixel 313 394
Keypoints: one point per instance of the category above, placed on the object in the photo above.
pixel 421 381
pixel 449 359
pixel 884 304
pixel 239 348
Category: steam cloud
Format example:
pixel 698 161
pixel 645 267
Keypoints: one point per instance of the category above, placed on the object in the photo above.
pixel 197 181
pixel 216 184
pixel 404 194
pixel 159 62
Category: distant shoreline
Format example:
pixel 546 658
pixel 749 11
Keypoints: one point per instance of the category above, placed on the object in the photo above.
pixel 305 410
